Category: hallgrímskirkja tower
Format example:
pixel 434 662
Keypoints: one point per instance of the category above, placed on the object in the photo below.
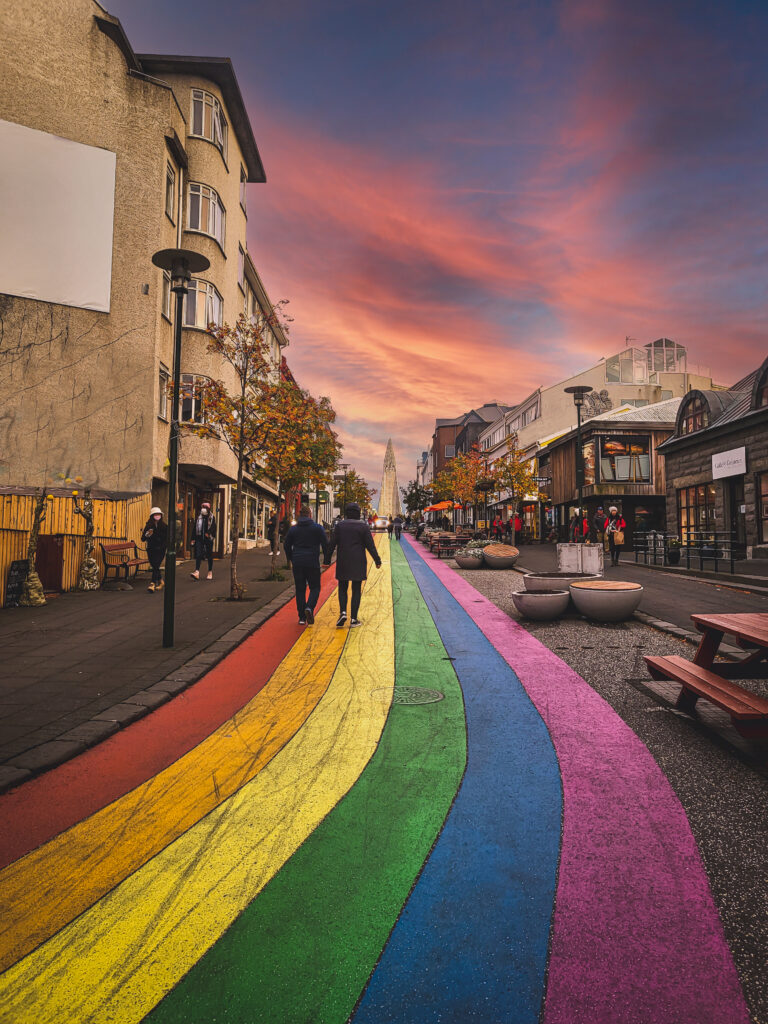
pixel 389 500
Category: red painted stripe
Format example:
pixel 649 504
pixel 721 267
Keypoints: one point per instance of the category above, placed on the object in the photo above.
pixel 47 805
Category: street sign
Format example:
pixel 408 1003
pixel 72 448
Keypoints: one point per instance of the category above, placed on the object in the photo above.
pixel 323 496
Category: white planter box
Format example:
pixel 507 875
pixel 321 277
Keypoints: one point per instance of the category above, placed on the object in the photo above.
pixel 580 558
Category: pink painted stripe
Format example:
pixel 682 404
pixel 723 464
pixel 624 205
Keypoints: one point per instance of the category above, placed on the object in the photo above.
pixel 636 938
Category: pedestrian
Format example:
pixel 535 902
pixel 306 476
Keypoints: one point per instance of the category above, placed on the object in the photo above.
pixel 272 529
pixel 518 525
pixel 302 549
pixel 579 526
pixel 203 536
pixel 497 528
pixel 598 525
pixel 398 525
pixel 508 531
pixel 614 528
pixel 155 537
pixel 352 537
pixel 390 526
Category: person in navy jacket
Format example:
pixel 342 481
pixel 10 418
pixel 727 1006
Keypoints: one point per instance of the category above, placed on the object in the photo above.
pixel 303 544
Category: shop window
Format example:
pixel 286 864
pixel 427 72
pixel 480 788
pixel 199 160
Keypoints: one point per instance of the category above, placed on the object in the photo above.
pixel 192 408
pixel 625 459
pixel 762 509
pixel 695 415
pixel 588 455
pixel 696 513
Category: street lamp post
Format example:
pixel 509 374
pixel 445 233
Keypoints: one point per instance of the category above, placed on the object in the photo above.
pixel 579 391
pixel 181 263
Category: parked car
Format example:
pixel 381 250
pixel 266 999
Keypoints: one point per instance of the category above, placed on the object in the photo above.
pixel 380 523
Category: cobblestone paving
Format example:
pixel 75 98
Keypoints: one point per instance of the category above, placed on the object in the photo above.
pixel 720 781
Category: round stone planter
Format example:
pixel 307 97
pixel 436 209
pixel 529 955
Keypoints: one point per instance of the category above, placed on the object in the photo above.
pixel 606 600
pixel 500 556
pixel 541 604
pixel 556 580
pixel 465 561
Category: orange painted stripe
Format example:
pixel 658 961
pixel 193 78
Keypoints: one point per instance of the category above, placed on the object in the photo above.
pixel 47 805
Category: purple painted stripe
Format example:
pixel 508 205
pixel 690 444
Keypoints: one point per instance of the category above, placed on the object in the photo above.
pixel 636 938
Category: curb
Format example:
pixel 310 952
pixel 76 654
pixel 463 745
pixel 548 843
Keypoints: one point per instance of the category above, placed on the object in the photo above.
pixel 750 583
pixel 36 760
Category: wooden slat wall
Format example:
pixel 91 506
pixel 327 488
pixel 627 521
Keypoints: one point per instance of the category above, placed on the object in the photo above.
pixel 112 520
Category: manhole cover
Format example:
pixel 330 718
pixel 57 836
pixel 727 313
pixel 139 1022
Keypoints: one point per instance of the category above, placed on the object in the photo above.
pixel 410 695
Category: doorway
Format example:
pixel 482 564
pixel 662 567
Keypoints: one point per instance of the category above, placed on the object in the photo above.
pixel 737 511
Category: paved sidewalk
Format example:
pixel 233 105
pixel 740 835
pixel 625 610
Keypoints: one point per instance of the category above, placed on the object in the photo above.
pixel 88 663
pixel 670 596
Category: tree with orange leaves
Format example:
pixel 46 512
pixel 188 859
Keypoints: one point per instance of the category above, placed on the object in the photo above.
pixel 249 417
pixel 513 473
pixel 460 478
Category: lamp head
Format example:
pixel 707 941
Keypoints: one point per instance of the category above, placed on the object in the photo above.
pixel 579 391
pixel 182 264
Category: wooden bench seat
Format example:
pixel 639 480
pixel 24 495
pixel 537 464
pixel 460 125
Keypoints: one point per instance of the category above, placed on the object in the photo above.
pixel 128 557
pixel 749 713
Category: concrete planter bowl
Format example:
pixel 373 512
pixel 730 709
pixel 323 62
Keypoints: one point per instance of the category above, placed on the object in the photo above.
pixel 536 581
pixel 472 559
pixel 500 556
pixel 541 604
pixel 606 600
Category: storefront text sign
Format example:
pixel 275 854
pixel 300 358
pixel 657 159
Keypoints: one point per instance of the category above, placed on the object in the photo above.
pixel 730 463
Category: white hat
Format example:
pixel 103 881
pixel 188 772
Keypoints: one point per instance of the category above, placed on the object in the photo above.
pixel 155 510
pixel 612 508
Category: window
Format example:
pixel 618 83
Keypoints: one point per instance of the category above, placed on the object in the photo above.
pixel 166 306
pixel 588 456
pixel 162 401
pixel 243 183
pixel 170 192
pixel 696 513
pixel 450 451
pixel 203 305
pixel 695 416
pixel 625 459
pixel 208 121
pixel 762 393
pixel 241 268
pixel 628 367
pixel 191 400
pixel 762 508
pixel 205 212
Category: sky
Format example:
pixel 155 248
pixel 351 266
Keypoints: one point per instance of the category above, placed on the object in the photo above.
pixel 468 199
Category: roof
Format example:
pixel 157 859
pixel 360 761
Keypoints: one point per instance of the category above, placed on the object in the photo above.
pixel 221 71
pixel 658 412
pixel 725 407
pixel 450 423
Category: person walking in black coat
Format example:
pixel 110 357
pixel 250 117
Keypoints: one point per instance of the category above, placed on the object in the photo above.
pixel 398 526
pixel 155 537
pixel 302 549
pixel 352 537
pixel 203 535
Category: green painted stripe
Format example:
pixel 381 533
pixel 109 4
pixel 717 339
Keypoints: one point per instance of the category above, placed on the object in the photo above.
pixel 304 949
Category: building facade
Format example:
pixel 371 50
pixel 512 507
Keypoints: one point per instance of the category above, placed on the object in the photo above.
pixel 83 386
pixel 622 467
pixel 717 466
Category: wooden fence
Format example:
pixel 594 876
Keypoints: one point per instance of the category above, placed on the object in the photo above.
pixel 113 519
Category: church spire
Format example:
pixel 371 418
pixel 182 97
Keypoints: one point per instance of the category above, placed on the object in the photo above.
pixel 389 499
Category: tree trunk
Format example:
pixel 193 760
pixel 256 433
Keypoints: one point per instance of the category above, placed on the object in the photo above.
pixel 236 590
pixel 32 593
pixel 276 537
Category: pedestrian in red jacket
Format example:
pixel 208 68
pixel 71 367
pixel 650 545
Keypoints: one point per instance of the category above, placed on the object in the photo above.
pixel 614 528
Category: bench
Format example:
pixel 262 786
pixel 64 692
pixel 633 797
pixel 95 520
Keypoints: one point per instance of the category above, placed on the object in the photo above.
pixel 122 549
pixel 749 713
pixel 448 546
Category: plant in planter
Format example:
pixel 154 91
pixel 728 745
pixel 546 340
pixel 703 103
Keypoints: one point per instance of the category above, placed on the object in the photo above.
pixel 469 558
pixel 479 544
pixel 673 551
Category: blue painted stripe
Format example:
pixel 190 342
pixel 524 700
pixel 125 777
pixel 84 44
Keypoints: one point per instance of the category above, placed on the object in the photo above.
pixel 471 942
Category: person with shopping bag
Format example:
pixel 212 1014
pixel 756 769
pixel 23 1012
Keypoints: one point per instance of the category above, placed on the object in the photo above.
pixel 613 529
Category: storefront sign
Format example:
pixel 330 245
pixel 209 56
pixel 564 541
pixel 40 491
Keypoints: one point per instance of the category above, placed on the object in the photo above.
pixel 730 463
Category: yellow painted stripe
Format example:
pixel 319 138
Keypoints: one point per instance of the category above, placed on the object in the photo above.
pixel 119 958
pixel 50 886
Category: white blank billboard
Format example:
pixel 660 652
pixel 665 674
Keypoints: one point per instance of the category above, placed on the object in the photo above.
pixel 57 206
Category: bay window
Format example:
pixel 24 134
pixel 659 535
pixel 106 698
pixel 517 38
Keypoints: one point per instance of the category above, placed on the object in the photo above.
pixel 205 212
pixel 208 121
pixel 203 305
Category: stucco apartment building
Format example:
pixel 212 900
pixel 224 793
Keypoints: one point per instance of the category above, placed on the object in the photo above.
pixel 117 156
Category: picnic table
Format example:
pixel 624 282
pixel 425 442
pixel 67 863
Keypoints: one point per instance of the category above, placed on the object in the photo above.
pixel 444 543
pixel 713 681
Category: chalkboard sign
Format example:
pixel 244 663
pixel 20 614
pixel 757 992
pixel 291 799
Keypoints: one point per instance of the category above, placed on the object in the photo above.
pixel 16 576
